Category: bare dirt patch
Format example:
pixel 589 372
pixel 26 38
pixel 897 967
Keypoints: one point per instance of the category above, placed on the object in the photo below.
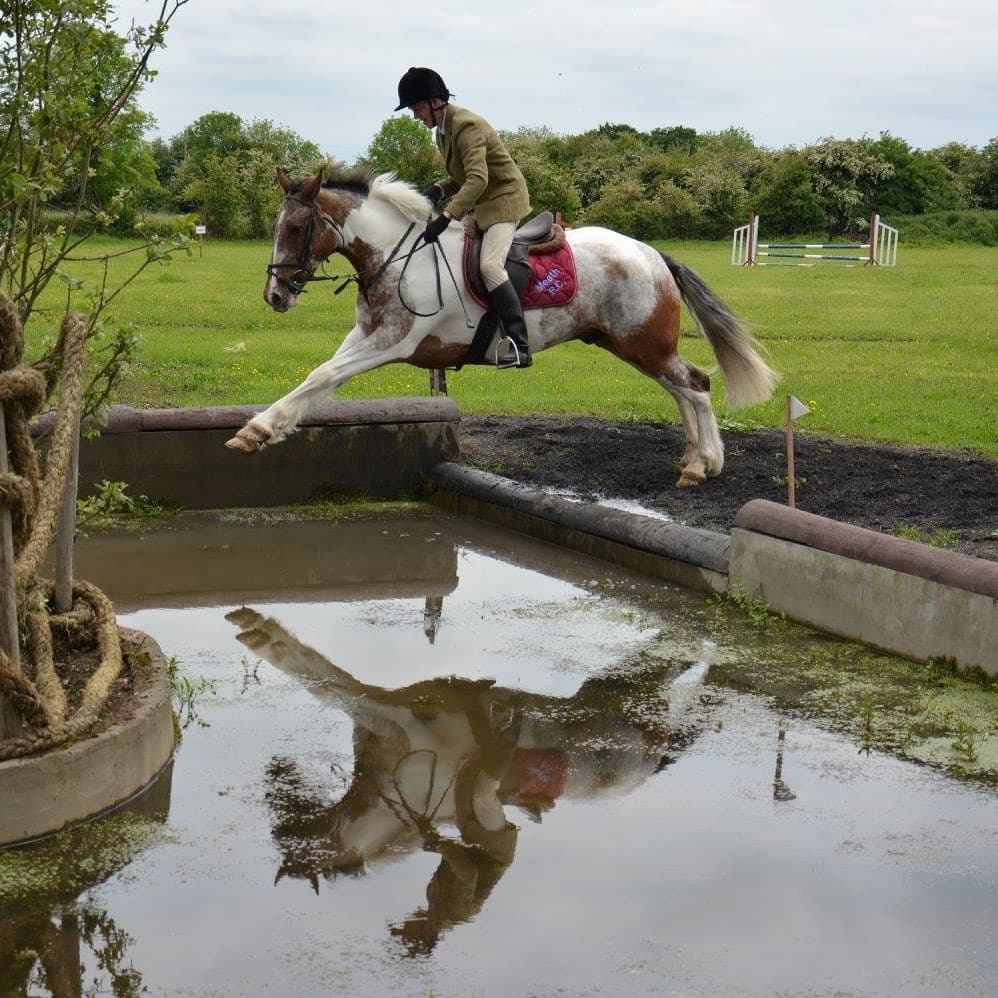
pixel 948 498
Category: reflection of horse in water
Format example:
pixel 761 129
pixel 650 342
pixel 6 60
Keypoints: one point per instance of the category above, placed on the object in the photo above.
pixel 455 752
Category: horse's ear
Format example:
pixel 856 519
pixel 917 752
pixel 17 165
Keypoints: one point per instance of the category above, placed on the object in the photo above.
pixel 311 188
pixel 284 180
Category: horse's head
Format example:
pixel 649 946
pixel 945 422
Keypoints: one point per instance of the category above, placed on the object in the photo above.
pixel 304 237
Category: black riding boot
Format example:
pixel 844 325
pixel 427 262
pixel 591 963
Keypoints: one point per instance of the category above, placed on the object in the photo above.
pixel 510 312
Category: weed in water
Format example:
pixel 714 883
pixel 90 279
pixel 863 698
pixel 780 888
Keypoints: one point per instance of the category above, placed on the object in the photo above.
pixel 187 693
pixel 753 605
pixel 867 710
pixel 965 744
pixel 109 500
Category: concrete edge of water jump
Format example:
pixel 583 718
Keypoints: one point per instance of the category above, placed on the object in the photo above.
pixel 897 595
pixel 42 794
pixel 377 449
pixel 696 559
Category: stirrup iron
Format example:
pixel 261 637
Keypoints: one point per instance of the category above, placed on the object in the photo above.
pixel 511 355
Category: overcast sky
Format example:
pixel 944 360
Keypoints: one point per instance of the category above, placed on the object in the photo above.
pixel 790 72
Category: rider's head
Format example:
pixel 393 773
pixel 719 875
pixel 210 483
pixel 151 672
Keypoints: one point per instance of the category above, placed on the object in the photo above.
pixel 424 92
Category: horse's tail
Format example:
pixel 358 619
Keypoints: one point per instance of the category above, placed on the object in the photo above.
pixel 748 378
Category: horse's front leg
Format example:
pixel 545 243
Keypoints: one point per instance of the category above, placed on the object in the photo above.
pixel 357 353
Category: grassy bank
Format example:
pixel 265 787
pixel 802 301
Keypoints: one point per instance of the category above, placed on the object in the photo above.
pixel 905 354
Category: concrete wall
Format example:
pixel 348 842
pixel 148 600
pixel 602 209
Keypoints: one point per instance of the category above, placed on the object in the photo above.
pixel 898 595
pixel 41 794
pixel 178 456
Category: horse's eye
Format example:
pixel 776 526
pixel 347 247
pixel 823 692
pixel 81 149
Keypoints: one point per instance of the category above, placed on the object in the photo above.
pixel 295 230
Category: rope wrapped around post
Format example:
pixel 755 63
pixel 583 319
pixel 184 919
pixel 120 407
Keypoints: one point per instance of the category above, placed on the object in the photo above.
pixel 34 688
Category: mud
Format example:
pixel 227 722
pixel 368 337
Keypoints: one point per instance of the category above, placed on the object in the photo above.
pixel 945 498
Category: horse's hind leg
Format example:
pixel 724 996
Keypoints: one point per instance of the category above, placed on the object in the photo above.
pixel 690 387
pixel 704 454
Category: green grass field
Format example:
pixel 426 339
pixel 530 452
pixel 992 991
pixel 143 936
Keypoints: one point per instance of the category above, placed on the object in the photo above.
pixel 904 354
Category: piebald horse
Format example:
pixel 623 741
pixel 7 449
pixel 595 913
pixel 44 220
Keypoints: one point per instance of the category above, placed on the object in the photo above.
pixel 628 302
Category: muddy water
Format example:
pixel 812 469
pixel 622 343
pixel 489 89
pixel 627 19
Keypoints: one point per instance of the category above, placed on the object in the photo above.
pixel 423 757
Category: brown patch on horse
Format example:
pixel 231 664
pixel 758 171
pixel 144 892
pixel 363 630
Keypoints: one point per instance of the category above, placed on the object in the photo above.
pixel 652 346
pixel 432 353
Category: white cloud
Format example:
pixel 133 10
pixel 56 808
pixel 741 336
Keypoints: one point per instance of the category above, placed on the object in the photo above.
pixel 788 73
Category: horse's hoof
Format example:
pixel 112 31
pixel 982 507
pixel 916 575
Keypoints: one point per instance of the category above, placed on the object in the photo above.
pixel 235 443
pixel 244 616
pixel 690 478
pixel 248 440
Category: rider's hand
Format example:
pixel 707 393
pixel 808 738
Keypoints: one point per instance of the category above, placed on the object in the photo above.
pixel 435 227
pixel 434 193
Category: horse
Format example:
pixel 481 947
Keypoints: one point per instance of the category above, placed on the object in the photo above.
pixel 628 302
pixel 453 754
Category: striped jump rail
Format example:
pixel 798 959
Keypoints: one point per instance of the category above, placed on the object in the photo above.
pixel 881 250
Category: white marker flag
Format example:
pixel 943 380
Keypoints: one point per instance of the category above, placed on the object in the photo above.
pixel 797 408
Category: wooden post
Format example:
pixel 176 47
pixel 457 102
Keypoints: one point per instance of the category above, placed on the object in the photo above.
pixel 791 497
pixel 438 381
pixel 66 529
pixel 10 723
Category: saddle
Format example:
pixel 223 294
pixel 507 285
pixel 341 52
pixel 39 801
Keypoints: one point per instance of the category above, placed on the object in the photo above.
pixel 540 267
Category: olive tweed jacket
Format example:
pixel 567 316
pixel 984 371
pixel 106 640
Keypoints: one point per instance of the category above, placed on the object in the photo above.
pixel 481 174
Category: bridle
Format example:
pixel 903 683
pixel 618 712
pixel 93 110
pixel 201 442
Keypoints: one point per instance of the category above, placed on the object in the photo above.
pixel 303 272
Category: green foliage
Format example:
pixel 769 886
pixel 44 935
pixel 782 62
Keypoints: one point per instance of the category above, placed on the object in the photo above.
pixel 847 172
pixel 71 133
pixel 934 538
pixel 109 501
pixel 187 695
pixel 404 146
pixel 225 171
pixel 942 227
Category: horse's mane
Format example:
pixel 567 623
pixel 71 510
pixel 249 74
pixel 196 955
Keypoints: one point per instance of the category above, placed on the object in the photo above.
pixel 384 187
pixel 387 187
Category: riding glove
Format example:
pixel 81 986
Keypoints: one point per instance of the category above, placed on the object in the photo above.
pixel 435 194
pixel 435 227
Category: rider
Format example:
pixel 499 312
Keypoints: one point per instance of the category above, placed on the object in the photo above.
pixel 481 177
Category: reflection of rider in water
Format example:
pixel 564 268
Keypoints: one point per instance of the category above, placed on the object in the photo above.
pixel 453 753
pixel 469 869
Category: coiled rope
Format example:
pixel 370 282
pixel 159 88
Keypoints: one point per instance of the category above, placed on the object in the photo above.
pixel 35 689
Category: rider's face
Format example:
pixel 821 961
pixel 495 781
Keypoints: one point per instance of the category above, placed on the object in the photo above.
pixel 424 111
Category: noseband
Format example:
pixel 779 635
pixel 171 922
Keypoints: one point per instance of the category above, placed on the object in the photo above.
pixel 303 272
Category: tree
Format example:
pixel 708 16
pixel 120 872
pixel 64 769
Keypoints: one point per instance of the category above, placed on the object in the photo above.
pixel 918 184
pixel 785 196
pixel 404 146
pixel 224 169
pixel 847 173
pixel 986 187
pixel 68 84
pixel 964 166
pixel 675 138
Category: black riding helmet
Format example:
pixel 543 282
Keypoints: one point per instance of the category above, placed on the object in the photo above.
pixel 420 83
